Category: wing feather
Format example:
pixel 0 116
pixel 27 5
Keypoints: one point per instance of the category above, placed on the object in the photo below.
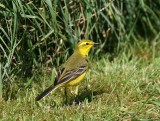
pixel 71 74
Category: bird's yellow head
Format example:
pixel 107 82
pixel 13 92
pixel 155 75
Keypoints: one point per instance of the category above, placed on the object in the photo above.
pixel 84 47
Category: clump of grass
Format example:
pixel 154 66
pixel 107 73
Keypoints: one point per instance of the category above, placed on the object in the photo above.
pixel 123 88
pixel 40 32
pixel 36 36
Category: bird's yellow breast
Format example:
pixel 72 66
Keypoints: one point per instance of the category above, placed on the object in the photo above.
pixel 75 81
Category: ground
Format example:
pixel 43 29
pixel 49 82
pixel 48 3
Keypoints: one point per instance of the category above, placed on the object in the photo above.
pixel 119 89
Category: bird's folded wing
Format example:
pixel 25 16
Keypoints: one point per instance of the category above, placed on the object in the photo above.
pixel 70 75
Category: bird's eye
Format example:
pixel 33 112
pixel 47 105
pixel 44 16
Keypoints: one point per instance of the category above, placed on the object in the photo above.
pixel 87 43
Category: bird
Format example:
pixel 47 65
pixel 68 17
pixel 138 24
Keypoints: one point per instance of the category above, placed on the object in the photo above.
pixel 72 72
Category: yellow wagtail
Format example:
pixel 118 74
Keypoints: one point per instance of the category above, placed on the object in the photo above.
pixel 73 70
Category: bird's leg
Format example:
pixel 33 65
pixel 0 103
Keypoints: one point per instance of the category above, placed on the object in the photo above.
pixel 75 93
pixel 65 92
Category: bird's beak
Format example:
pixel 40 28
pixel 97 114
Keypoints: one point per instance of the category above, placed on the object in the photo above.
pixel 95 44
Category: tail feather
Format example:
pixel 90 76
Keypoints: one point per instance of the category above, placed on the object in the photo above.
pixel 45 92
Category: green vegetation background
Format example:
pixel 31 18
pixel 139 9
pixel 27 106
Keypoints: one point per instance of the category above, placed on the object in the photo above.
pixel 37 36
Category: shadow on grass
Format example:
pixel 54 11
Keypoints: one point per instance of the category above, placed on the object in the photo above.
pixel 85 95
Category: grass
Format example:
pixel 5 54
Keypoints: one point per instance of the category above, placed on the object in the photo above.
pixel 121 88
pixel 37 36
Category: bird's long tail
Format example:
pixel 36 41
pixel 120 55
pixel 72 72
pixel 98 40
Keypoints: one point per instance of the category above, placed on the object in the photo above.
pixel 46 92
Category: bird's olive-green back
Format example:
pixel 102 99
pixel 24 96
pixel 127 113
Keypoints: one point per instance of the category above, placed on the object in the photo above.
pixel 74 62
